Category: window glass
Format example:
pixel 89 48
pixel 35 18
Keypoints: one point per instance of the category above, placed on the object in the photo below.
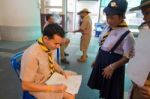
pixel 55 2
pixel 55 10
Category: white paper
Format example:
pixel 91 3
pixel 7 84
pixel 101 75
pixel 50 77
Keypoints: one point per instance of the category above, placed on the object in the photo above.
pixel 73 82
pixel 139 66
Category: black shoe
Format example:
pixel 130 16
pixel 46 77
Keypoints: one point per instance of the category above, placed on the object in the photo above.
pixel 66 54
pixel 64 61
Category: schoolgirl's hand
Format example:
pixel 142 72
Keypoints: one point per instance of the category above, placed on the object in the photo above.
pixel 108 71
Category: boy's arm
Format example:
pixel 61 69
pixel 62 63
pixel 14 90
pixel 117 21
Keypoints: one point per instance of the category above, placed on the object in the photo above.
pixel 30 86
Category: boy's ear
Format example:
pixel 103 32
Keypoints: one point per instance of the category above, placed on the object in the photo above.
pixel 45 38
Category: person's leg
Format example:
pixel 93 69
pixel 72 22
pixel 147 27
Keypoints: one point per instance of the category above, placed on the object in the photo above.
pixel 84 54
pixel 62 51
pixel 66 45
pixel 85 40
pixel 67 41
pixel 62 48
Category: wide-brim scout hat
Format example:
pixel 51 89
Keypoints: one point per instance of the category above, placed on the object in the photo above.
pixel 143 4
pixel 116 7
pixel 84 10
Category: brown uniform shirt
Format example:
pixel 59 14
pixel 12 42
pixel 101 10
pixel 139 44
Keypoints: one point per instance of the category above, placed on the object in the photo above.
pixel 86 26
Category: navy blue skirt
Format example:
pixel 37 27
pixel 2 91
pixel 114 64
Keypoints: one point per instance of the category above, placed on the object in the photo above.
pixel 109 88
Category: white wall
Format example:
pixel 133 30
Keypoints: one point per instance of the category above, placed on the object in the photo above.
pixel 19 20
pixel 0 20
pixel 1 12
pixel 20 13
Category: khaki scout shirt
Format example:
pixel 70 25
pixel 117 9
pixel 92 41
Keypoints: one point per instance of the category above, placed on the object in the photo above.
pixel 35 68
pixel 86 25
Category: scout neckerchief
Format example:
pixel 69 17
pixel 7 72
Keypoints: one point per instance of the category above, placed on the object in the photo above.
pixel 44 48
pixel 123 24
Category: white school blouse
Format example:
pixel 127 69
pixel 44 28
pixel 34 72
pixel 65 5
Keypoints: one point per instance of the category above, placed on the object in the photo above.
pixel 126 48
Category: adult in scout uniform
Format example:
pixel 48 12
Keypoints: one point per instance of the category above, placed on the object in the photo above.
pixel 143 92
pixel 49 20
pixel 37 66
pixel 86 30
pixel 116 47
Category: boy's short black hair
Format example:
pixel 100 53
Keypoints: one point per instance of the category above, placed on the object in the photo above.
pixel 52 29
pixel 48 16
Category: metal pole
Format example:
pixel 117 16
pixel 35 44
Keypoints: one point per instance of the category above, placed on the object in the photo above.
pixel 99 14
pixel 75 14
pixel 65 14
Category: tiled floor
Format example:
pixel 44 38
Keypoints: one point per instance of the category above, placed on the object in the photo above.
pixel 9 83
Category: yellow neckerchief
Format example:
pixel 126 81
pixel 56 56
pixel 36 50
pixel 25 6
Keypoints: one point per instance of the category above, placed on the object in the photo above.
pixel 123 24
pixel 44 48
